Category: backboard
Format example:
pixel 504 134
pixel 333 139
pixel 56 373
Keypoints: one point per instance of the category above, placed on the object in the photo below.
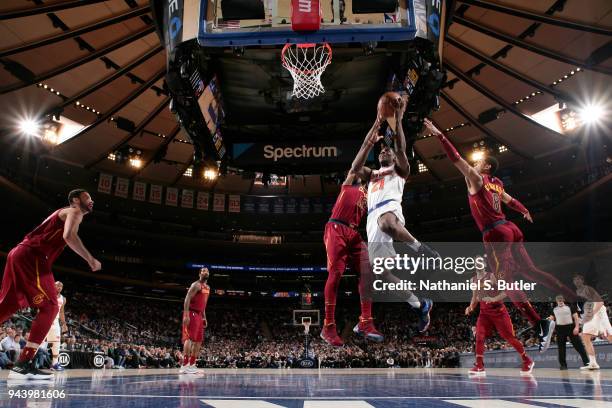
pixel 342 22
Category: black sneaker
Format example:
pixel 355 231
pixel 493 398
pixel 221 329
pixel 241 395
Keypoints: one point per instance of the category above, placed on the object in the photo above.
pixel 27 371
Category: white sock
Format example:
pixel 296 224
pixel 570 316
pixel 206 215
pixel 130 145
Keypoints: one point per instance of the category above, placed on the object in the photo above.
pixel 415 245
pixel 414 301
pixel 592 360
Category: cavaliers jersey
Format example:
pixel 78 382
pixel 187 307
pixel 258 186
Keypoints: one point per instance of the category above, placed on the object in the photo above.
pixel 483 291
pixel 200 299
pixel 486 204
pixel 351 205
pixel 385 185
pixel 48 237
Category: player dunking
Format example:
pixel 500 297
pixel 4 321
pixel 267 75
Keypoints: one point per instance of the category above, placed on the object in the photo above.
pixel 486 194
pixel 28 280
pixel 194 322
pixel 54 337
pixel 344 246
pixel 493 316
pixel 385 222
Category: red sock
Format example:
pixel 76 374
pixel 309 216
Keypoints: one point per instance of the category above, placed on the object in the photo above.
pixel 27 354
pixel 366 309
pixel 192 360
pixel 479 361
pixel 330 313
pixel 185 360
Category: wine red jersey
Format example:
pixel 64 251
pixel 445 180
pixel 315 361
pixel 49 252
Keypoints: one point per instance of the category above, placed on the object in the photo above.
pixel 200 299
pixel 48 237
pixel 351 205
pixel 490 279
pixel 486 204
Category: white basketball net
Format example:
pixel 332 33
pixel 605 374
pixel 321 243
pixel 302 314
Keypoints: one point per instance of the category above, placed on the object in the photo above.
pixel 306 63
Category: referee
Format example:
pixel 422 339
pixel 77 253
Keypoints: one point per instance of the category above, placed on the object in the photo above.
pixel 567 326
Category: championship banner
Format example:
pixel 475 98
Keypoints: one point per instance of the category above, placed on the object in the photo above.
pixel 203 199
pixel 219 202
pixel 279 206
pixel 105 183
pixel 263 206
pixel 311 152
pixel 155 194
pixel 290 206
pixel 122 187
pixel 187 199
pixel 304 206
pixel 172 196
pixel 248 204
pixel 234 203
pixel 140 191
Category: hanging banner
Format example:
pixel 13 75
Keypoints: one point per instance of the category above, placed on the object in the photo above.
pixel 122 187
pixel 203 199
pixel 290 206
pixel 219 202
pixel 304 206
pixel 248 204
pixel 172 196
pixel 140 191
pixel 187 199
pixel 263 206
pixel 279 206
pixel 155 194
pixel 234 203
pixel 105 183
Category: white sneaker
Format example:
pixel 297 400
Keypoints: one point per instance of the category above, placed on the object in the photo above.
pixel 193 370
pixel 183 369
pixel 590 366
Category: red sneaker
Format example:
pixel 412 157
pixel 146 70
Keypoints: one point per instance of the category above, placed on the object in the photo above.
pixel 329 334
pixel 366 328
pixel 477 371
pixel 527 367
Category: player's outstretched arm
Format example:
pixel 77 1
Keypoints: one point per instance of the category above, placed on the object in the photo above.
pixel 464 167
pixel 473 303
pixel 358 168
pixel 74 217
pixel 403 165
pixel 517 206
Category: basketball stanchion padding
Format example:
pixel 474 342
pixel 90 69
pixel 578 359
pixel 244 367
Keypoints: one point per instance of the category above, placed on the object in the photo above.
pixel 305 15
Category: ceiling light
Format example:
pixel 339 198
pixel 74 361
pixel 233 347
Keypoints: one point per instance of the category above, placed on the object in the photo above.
pixel 477 155
pixel 591 113
pixel 29 127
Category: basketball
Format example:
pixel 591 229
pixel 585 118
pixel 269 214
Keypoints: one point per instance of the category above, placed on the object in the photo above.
pixel 388 104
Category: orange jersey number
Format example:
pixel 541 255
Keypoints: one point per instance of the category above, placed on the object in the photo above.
pixel 379 185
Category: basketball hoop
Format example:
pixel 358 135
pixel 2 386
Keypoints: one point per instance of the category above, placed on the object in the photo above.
pixel 306 321
pixel 306 63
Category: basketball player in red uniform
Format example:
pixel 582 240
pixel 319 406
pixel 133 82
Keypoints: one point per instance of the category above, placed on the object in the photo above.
pixel 345 246
pixel 493 316
pixel 486 194
pixel 28 280
pixel 194 322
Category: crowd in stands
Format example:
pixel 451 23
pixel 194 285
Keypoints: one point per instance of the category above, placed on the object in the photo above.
pixel 137 333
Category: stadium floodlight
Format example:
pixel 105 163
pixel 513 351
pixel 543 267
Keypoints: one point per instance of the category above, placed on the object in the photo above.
pixel 29 127
pixel 477 155
pixel 591 113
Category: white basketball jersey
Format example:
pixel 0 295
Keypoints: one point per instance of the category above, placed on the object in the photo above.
pixel 385 184
pixel 60 303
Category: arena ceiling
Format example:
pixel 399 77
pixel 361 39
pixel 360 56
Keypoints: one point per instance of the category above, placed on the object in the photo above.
pixel 99 62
